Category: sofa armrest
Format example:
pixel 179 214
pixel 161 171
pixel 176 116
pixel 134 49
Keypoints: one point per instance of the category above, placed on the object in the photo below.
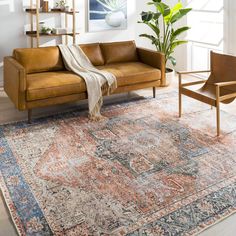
pixel 15 82
pixel 154 59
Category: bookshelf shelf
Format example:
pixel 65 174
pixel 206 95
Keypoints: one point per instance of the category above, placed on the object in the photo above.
pixel 35 12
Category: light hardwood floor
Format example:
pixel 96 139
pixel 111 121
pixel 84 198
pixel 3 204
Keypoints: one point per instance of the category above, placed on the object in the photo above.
pixel 8 113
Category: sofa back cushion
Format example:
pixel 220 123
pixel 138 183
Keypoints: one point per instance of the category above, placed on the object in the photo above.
pixel 94 53
pixel 119 52
pixel 39 59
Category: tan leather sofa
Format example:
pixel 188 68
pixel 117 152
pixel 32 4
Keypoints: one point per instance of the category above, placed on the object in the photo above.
pixel 36 77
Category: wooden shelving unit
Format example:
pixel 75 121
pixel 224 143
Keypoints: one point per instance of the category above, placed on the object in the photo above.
pixel 33 34
pixel 35 12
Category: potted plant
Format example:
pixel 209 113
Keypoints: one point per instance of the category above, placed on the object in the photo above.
pixel 165 36
pixel 61 5
pixel 114 11
pixel 46 30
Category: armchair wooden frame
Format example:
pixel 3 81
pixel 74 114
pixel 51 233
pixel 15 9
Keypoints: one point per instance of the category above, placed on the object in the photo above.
pixel 218 87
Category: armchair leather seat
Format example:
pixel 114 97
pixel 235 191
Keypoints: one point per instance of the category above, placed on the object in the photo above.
pixel 206 93
pixel 53 84
pixel 131 73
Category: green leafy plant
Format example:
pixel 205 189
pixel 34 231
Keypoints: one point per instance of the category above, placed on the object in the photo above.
pixel 46 30
pixel 61 3
pixel 162 21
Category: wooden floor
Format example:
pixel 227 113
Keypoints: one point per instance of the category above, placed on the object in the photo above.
pixel 8 113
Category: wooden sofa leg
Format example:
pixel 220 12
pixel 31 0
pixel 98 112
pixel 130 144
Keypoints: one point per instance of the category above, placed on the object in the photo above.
pixel 128 95
pixel 30 116
pixel 154 92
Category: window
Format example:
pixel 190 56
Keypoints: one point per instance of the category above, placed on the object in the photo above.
pixel 207 31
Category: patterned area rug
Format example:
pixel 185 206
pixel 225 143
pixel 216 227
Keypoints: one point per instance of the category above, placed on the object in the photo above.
pixel 141 171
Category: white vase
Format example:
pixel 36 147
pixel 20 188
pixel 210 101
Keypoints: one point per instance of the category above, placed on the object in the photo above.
pixel 115 19
pixel 170 75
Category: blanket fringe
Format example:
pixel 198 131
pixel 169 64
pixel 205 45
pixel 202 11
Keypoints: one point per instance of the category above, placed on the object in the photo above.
pixel 108 90
pixel 95 114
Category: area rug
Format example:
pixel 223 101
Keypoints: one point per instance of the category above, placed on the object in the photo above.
pixel 140 171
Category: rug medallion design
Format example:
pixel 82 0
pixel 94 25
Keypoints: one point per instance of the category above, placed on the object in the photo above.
pixel 141 171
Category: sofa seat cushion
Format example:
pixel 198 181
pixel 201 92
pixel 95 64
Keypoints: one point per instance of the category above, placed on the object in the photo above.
pixel 132 73
pixel 53 84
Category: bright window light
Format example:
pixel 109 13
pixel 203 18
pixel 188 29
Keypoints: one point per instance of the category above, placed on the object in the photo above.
pixel 207 31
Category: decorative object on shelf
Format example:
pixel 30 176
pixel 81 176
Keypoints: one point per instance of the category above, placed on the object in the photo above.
pixel 45 7
pixel 36 26
pixel 46 30
pixel 107 15
pixel 41 3
pixel 59 31
pixel 67 8
pixel 41 25
pixel 61 4
pixel 165 37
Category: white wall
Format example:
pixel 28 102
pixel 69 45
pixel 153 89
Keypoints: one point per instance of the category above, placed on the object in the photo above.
pixel 141 28
pixel 229 29
pixel 13 21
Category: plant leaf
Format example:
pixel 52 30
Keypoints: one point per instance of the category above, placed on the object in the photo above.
pixel 173 60
pixel 146 16
pixel 153 27
pixel 177 16
pixel 163 8
pixel 153 2
pixel 178 32
pixel 177 43
pixel 151 37
pixel 156 15
pixel 173 10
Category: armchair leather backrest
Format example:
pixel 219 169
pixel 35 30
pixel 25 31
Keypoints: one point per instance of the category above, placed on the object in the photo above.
pixel 223 69
pixel 39 59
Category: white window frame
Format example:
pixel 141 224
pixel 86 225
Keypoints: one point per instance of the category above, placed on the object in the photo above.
pixel 209 46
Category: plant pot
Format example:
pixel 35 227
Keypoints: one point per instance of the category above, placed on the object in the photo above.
pixel 115 19
pixel 67 8
pixel 170 75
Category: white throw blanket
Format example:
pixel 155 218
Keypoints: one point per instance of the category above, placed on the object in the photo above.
pixel 98 82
